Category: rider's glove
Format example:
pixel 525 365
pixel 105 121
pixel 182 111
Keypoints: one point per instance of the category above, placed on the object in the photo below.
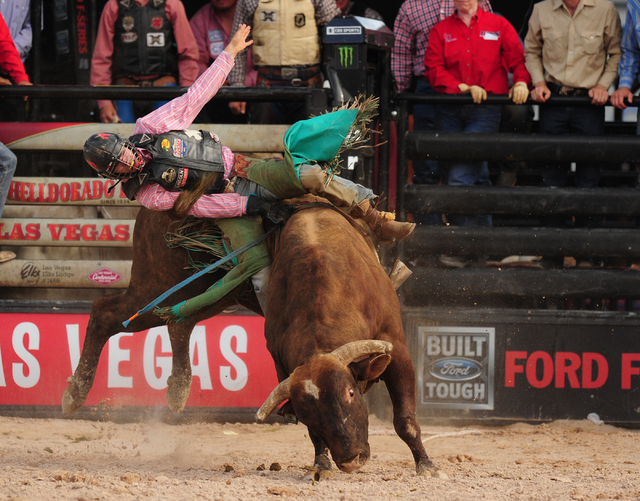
pixel 276 213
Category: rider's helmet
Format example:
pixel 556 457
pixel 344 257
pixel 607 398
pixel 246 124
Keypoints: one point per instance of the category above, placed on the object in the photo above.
pixel 112 156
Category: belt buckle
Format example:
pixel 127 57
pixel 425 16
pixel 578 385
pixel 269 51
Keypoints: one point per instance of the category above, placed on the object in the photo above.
pixel 296 82
pixel 146 83
pixel 566 91
pixel 289 73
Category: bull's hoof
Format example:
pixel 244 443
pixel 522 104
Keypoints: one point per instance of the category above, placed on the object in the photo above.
pixel 428 469
pixel 71 401
pixel 178 393
pixel 318 474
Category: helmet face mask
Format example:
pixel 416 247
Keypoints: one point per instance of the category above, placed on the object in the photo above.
pixel 112 156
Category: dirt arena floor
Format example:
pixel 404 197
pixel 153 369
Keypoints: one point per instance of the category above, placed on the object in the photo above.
pixel 89 460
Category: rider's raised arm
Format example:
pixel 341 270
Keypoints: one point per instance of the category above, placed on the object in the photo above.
pixel 179 113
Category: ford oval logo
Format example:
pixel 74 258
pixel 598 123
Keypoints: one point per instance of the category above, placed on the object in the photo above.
pixel 455 369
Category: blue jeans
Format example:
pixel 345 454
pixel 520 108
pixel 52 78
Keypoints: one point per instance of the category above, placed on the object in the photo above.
pixel 467 118
pixel 581 120
pixel 125 108
pixel 8 162
pixel 425 171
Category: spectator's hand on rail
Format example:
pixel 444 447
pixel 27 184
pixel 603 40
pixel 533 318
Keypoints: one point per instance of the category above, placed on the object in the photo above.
pixel 618 97
pixel 238 107
pixel 599 95
pixel 5 81
pixel 109 115
pixel 519 93
pixel 25 82
pixel 239 41
pixel 541 92
pixel 478 94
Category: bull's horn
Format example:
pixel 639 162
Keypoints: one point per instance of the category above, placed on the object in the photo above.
pixel 281 393
pixel 357 349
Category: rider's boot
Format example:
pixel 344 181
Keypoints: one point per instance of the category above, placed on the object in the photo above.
pixel 383 224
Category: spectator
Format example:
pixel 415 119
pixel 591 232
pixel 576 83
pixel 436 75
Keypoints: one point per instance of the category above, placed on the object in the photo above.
pixel 286 52
pixel 144 43
pixel 413 24
pixel 357 8
pixel 629 69
pixel 12 66
pixel 572 48
pixel 211 26
pixel 17 15
pixel 471 52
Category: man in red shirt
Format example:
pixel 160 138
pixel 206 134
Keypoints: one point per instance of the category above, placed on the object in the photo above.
pixel 11 65
pixel 471 52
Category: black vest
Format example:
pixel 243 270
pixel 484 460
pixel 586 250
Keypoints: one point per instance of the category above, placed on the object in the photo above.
pixel 143 42
pixel 180 160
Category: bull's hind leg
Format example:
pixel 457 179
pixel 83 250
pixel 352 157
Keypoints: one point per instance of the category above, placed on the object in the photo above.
pixel 401 382
pixel 180 380
pixel 106 315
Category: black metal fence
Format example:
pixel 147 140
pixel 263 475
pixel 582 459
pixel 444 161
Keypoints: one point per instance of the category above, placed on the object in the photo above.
pixel 506 285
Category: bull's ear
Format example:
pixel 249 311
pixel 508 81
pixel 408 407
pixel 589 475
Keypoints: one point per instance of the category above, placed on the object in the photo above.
pixel 370 368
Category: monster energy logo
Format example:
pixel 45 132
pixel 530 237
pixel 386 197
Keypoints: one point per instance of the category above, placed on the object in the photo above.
pixel 346 56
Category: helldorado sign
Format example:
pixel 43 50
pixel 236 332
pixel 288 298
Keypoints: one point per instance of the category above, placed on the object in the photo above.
pixel 75 191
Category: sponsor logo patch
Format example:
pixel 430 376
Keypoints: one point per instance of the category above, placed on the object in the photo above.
pixel 179 148
pixel 165 145
pixel 129 37
pixel 104 276
pixel 155 40
pixel 156 23
pixel 268 16
pixel 169 175
pixel 128 23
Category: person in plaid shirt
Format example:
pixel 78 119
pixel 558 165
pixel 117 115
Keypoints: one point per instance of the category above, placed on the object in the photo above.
pixel 412 27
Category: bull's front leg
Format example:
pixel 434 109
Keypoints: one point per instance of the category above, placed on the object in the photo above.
pixel 401 380
pixel 322 462
pixel 180 380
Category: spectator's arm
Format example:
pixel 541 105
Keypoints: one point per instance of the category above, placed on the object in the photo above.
pixel 436 67
pixel 611 38
pixel 513 54
pixel 326 10
pixel 103 51
pixel 243 15
pixel 533 48
pixel 404 47
pixel 24 38
pixel 629 65
pixel 185 42
pixel 10 61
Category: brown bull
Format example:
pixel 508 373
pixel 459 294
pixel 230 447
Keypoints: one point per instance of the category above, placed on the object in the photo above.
pixel 333 328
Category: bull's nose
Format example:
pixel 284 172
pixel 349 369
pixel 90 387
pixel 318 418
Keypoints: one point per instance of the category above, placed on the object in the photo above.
pixel 358 462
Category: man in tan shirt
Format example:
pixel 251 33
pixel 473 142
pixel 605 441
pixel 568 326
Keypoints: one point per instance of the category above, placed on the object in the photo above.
pixel 572 48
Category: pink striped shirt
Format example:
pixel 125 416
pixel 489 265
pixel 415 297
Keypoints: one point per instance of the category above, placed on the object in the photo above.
pixel 179 114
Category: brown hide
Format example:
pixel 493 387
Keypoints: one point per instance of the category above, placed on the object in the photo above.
pixel 327 289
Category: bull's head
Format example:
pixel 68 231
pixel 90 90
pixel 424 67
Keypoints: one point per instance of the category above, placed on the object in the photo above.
pixel 326 395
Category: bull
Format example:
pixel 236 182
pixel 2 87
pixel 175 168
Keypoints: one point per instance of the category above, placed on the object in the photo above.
pixel 333 328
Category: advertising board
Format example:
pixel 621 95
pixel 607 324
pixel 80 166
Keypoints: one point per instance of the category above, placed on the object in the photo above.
pixel 39 351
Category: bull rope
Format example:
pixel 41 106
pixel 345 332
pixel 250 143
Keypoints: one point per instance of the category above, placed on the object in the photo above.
pixel 209 268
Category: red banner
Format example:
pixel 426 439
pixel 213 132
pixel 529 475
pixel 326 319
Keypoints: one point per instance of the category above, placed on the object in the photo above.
pixel 230 363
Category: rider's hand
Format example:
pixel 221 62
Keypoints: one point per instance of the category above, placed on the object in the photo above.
pixel 276 213
pixel 239 41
